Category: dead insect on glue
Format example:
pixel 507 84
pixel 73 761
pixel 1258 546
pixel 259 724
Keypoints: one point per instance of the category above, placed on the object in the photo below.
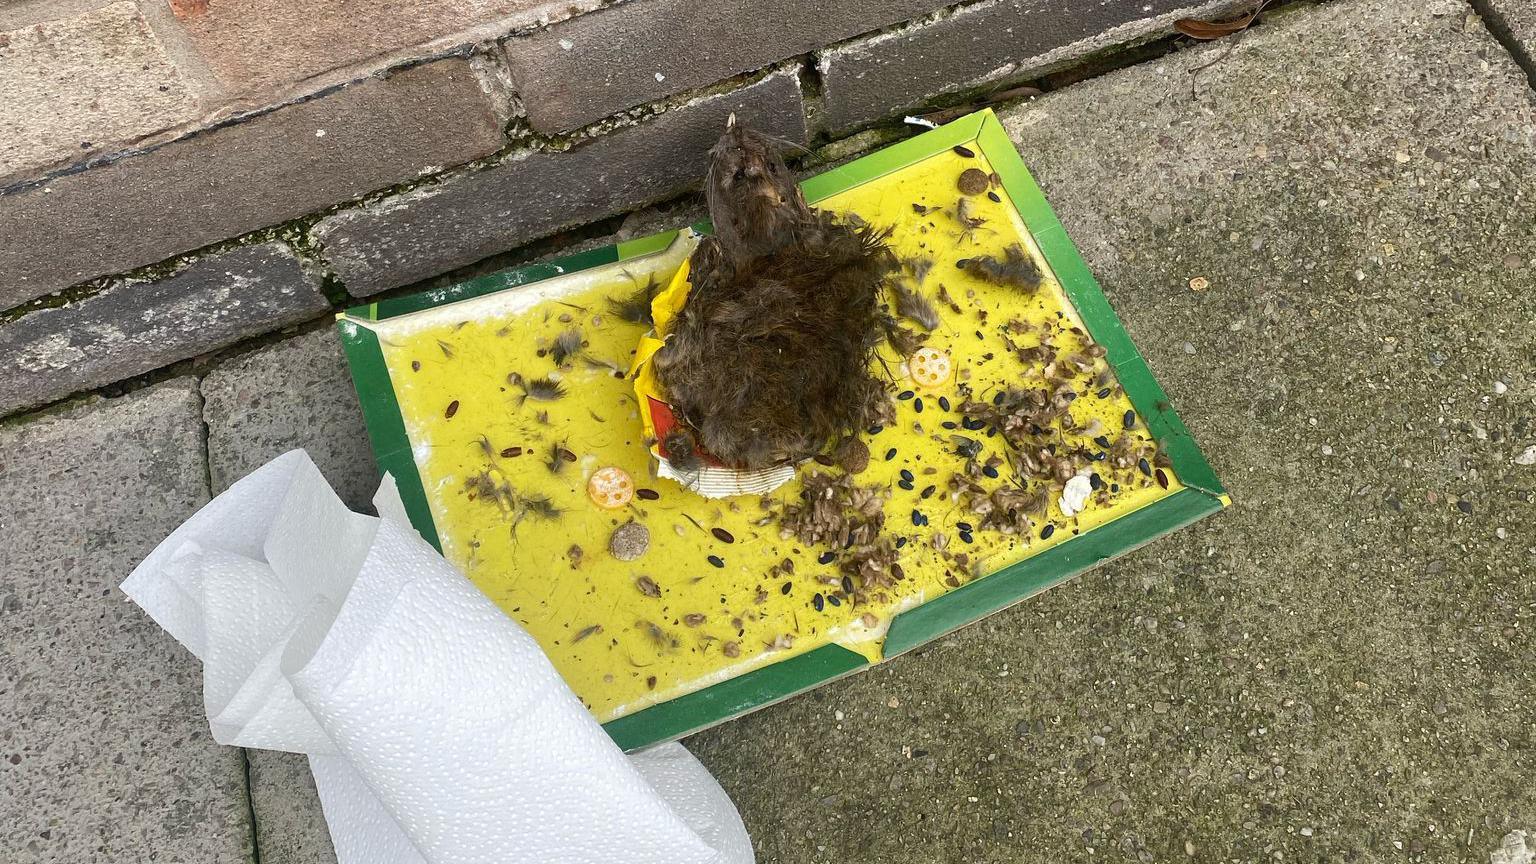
pixel 565 347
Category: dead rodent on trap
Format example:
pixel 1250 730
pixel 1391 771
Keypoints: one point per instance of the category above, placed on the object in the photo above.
pixel 769 359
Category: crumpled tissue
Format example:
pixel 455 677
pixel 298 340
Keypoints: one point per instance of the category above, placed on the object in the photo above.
pixel 437 731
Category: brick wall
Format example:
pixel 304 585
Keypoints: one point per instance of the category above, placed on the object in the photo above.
pixel 177 176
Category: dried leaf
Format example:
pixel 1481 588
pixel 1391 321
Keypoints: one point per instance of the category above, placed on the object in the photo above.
pixel 1205 31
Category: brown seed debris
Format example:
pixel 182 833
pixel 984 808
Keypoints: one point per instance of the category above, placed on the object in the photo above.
pixel 973 181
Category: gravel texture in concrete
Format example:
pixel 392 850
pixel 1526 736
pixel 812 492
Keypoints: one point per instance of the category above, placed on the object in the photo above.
pixel 105 754
pixel 295 393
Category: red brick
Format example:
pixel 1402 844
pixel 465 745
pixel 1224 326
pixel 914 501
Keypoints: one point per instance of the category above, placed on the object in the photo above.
pixel 585 68
pixel 72 87
pixel 257 46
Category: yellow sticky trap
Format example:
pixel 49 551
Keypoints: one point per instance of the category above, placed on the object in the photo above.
pixel 711 597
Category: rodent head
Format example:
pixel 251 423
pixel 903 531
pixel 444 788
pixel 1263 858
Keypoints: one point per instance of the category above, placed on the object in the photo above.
pixel 753 199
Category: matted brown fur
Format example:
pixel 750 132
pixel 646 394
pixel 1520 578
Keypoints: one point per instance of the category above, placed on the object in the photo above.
pixel 769 360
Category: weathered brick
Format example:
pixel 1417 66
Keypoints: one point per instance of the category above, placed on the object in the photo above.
pixel 259 46
pixel 73 86
pixel 145 207
pixel 296 393
pixel 588 67
pixel 130 329
pixel 462 220
pixel 873 78
pixel 105 755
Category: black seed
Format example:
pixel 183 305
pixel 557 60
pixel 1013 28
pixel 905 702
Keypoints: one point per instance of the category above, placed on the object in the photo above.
pixel 944 403
pixel 927 490
pixel 1102 441
pixel 1096 481
pixel 647 494
pixel 905 484
pixel 717 560
pixel 997 399
pixel 917 404
pixel 1114 487
pixel 826 557
pixel 993 196
pixel 874 430
pixel 890 454
pixel 972 423
pixel 961 263
pixel 1464 506
pixel 991 431
pixel 1144 466
pixel 847 585
pixel 453 408
pixel 966 536
pixel 1130 419
pixel 948 424
pixel 1103 394
pixel 1162 479
pixel 900 542
pixel 785 588
pixel 832 598
pixel 963 526
pixel 964 151
pixel 1047 531
pixel 817 601
pixel 1099 457
pixel 989 471
pixel 907 475
pixel 917 518
pixel 905 394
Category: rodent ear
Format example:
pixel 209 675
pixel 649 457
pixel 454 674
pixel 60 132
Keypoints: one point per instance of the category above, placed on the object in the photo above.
pixel 730 122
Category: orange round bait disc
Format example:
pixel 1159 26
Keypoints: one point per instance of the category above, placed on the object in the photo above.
pixel 930 367
pixel 611 488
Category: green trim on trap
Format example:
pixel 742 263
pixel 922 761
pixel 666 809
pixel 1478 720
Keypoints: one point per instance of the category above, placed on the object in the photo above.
pixel 981 132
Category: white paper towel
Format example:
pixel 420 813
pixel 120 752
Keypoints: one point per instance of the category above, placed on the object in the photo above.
pixel 437 731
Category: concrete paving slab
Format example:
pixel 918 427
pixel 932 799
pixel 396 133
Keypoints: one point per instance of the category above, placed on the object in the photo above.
pixel 294 393
pixel 1337 668
pixel 1520 17
pixel 290 829
pixel 105 754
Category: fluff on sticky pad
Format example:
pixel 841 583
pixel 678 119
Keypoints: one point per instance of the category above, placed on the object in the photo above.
pixel 437 731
